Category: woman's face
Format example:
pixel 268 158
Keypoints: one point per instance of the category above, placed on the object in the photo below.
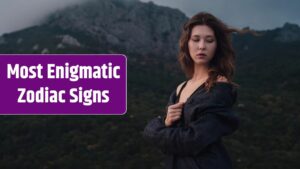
pixel 202 44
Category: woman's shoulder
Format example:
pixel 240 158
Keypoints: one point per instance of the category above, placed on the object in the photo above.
pixel 223 83
pixel 222 79
pixel 224 91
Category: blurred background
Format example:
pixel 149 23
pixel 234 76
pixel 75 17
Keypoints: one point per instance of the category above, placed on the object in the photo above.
pixel 267 69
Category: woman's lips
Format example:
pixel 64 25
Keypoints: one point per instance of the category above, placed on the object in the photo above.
pixel 201 55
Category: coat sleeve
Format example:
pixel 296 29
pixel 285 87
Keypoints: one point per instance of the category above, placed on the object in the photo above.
pixel 216 120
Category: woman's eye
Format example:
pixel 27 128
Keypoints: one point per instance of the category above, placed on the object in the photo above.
pixel 195 40
pixel 210 40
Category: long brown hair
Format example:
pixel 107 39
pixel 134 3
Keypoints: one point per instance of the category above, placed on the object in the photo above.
pixel 223 62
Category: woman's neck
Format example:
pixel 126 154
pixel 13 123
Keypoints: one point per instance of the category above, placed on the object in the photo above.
pixel 200 73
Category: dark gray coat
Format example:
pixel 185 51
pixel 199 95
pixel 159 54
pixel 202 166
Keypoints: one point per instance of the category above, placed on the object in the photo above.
pixel 195 142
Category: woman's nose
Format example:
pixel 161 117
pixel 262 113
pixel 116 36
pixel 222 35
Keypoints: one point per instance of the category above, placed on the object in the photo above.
pixel 201 44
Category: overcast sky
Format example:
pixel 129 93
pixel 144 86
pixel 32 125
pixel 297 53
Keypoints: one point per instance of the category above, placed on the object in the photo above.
pixel 257 14
pixel 19 14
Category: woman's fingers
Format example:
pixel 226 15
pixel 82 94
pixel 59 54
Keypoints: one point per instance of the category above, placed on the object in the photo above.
pixel 175 118
pixel 177 105
pixel 174 113
pixel 174 110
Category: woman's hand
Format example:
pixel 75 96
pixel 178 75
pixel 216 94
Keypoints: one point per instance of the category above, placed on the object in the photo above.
pixel 173 113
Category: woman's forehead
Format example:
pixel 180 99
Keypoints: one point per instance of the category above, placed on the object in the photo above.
pixel 202 30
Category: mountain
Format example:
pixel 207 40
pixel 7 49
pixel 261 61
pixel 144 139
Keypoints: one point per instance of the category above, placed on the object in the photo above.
pixel 107 25
pixel 266 69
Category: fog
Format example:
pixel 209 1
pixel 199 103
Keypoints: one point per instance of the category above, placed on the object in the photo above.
pixel 19 14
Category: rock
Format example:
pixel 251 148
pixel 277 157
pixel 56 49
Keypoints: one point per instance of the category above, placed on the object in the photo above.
pixel 60 46
pixel 19 41
pixel 288 33
pixel 143 28
pixel 241 105
pixel 69 40
pixel 35 47
pixel 2 40
pixel 112 39
pixel 45 51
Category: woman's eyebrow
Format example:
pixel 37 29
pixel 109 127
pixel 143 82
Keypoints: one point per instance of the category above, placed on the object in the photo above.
pixel 210 36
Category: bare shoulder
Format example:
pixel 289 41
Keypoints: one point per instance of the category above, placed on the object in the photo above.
pixel 179 87
pixel 222 79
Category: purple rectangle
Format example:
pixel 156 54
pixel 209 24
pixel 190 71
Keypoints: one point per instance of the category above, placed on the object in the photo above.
pixel 53 84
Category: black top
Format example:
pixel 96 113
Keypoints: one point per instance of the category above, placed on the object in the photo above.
pixel 196 141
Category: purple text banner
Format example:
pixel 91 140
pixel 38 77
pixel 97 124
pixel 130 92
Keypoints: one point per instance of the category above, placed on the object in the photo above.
pixel 63 84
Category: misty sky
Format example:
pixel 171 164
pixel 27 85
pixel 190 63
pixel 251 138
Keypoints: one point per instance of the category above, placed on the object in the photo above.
pixel 257 14
pixel 19 14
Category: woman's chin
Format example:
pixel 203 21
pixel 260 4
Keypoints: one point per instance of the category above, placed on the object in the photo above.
pixel 200 62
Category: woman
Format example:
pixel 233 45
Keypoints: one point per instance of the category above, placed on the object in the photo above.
pixel 199 111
